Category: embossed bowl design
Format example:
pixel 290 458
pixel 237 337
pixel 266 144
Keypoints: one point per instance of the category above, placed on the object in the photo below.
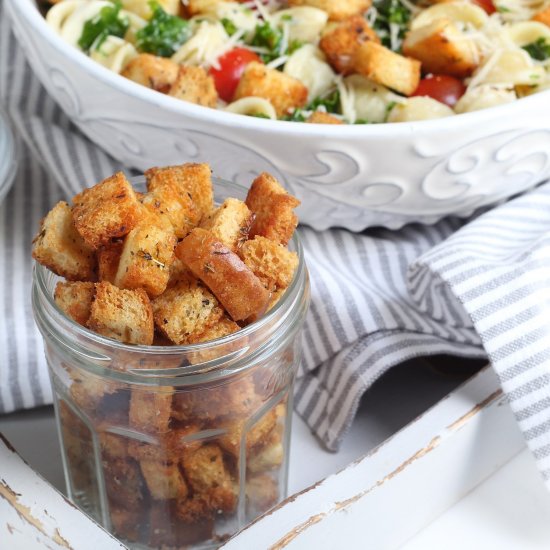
pixel 347 176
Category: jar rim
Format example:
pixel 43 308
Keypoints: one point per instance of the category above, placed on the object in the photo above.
pixel 40 274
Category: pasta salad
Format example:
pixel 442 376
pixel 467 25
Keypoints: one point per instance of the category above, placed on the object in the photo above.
pixel 320 61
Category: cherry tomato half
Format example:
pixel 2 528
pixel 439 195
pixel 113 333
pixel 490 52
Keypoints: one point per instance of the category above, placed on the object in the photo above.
pixel 443 88
pixel 232 65
pixel 486 5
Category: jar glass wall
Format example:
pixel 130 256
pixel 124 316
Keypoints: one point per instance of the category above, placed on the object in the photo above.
pixel 175 446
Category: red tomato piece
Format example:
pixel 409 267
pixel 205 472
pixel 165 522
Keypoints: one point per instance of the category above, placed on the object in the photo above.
pixel 486 5
pixel 231 68
pixel 443 88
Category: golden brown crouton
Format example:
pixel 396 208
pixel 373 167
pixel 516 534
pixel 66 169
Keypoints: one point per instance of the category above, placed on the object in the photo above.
pixel 75 299
pixel 125 315
pixel 320 117
pixel 195 7
pixel 60 248
pixel 442 49
pixel 146 257
pixel 171 446
pixel 112 445
pixel 273 208
pixel 270 261
pixel 150 410
pixel 336 9
pixel 542 16
pixel 105 211
pixel 236 400
pixel 163 480
pixel 270 456
pixel 195 85
pixel 262 493
pixel 108 258
pixel 219 329
pixel 124 483
pixel 157 73
pixel 240 292
pixel 186 310
pixel 342 41
pixel 178 272
pixel 191 178
pixel 170 200
pixel 230 223
pixel 206 473
pixel 256 437
pixel 282 91
pixel 388 68
pixel 87 390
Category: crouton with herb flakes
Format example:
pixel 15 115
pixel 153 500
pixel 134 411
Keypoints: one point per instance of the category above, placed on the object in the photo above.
pixel 75 299
pixel 274 209
pixel 60 248
pixel 108 258
pixel 147 254
pixel 284 92
pixel 185 311
pixel 230 223
pixel 157 73
pixel 236 287
pixel 124 315
pixel 150 410
pixel 106 211
pixel 193 179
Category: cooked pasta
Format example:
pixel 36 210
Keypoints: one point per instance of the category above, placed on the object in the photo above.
pixel 398 61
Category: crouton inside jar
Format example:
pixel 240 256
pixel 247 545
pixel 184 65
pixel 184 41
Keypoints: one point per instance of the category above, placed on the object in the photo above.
pixel 173 384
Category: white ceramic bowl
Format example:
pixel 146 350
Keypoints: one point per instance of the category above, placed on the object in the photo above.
pixel 347 176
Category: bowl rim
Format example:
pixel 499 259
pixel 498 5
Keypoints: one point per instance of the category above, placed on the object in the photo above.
pixel 232 120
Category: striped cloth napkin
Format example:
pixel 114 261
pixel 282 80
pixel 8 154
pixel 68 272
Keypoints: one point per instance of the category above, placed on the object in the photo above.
pixel 378 298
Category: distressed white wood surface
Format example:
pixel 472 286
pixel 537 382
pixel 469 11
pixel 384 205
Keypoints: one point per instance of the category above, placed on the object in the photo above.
pixel 33 515
pixel 383 499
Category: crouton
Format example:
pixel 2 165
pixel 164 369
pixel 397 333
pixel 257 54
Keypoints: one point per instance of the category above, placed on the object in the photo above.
pixel 240 292
pixel 230 223
pixel 112 445
pixel 195 85
pixel 542 16
pixel 341 42
pixel 108 258
pixel 193 179
pixel 388 68
pixel 185 310
pixel 106 211
pixel 442 49
pixel 236 400
pixel 126 523
pixel 147 254
pixel 207 475
pixel 262 493
pixel 270 261
pixel 179 272
pixel 320 117
pixel 60 248
pixel 284 92
pixel 170 200
pixel 150 410
pixel 256 436
pixel 170 446
pixel 270 456
pixel 157 73
pixel 124 315
pixel 196 7
pixel 168 530
pixel 273 208
pixel 75 299
pixel 219 329
pixel 163 480
pixel 87 390
pixel 337 9
pixel 123 482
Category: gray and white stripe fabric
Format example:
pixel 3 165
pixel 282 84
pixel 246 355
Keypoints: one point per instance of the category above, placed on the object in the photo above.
pixel 378 298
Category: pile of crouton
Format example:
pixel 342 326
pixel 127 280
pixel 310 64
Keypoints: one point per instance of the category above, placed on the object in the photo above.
pixel 167 267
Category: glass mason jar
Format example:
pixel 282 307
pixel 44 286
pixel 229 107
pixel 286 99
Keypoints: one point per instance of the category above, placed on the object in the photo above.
pixel 175 446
